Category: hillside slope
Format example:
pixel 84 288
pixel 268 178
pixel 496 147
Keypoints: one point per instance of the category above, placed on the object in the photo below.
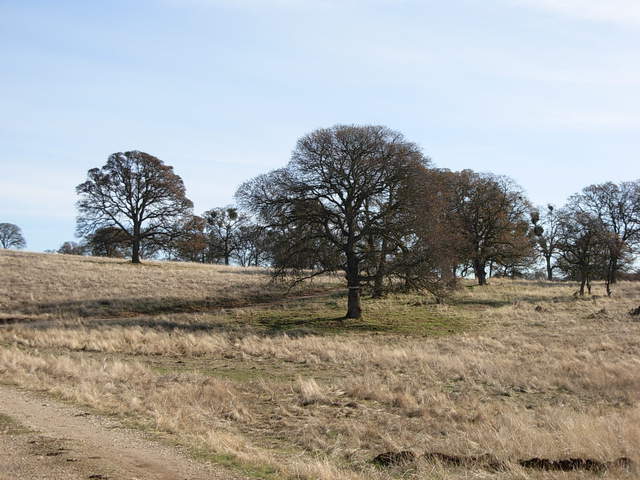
pixel 38 284
pixel 499 375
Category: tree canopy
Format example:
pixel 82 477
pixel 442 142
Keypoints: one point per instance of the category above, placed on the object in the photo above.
pixel 137 193
pixel 339 204
pixel 11 236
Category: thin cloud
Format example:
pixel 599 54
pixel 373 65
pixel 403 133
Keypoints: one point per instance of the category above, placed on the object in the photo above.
pixel 252 4
pixel 625 12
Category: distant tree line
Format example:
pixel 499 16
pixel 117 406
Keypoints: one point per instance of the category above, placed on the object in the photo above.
pixel 363 201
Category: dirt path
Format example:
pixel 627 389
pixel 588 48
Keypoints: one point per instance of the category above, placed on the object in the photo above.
pixel 42 439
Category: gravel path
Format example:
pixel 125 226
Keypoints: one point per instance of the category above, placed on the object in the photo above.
pixel 50 440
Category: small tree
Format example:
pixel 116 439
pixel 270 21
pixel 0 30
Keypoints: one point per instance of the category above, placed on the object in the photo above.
pixel 581 245
pixel 137 193
pixel 72 248
pixel 222 226
pixel 108 242
pixel 191 245
pixel 617 207
pixel 547 236
pixel 253 246
pixel 11 236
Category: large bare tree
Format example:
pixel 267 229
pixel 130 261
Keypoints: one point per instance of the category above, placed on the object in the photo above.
pixel 336 205
pixel 11 236
pixel 137 193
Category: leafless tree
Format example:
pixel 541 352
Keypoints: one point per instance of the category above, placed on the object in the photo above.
pixel 136 192
pixel 253 245
pixel 424 252
pixel 11 236
pixel 72 248
pixel 337 203
pixel 223 227
pixel 491 216
pixel 617 207
pixel 191 245
pixel 546 232
pixel 581 244
pixel 108 242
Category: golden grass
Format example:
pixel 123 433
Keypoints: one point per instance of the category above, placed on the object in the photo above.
pixel 543 374
pixel 59 286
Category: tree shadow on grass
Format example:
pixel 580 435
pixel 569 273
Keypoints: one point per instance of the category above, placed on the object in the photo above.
pixel 532 299
pixel 129 307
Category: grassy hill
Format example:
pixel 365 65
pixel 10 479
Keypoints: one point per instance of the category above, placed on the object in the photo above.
pixel 68 285
pixel 280 388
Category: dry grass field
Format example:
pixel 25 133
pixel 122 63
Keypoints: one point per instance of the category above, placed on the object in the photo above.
pixel 68 286
pixel 284 389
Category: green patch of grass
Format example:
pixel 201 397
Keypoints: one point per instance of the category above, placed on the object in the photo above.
pixel 235 374
pixel 252 470
pixel 394 315
pixel 9 426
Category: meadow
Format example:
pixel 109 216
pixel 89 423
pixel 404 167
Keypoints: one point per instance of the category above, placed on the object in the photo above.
pixel 272 383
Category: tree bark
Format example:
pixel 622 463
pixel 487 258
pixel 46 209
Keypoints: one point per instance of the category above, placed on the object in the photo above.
pixel 135 245
pixel 613 277
pixel 354 306
pixel 378 283
pixel 481 274
pixel 549 269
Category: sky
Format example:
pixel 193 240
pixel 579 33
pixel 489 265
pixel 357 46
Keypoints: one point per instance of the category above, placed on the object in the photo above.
pixel 544 91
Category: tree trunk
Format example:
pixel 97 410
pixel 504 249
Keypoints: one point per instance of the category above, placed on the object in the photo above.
pixel 378 290
pixel 583 280
pixel 378 283
pixel 613 277
pixel 481 274
pixel 354 306
pixel 549 269
pixel 135 245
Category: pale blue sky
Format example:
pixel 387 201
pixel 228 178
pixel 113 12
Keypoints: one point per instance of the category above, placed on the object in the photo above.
pixel 545 91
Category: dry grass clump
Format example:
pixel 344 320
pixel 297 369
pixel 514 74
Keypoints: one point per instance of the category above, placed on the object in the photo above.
pixel 310 392
pixel 130 340
pixel 125 387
